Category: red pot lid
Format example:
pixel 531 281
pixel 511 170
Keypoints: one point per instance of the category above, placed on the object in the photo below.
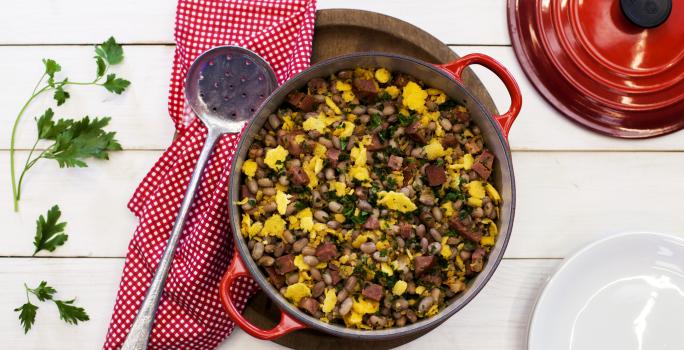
pixel 614 66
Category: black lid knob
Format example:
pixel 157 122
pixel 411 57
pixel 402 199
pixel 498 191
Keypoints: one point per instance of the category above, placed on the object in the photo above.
pixel 646 13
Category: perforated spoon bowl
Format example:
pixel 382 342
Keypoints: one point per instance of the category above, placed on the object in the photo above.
pixel 224 87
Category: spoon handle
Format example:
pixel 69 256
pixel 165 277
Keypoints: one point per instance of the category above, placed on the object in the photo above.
pixel 142 326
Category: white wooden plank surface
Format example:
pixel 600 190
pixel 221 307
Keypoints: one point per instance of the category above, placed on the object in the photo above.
pixel 140 115
pixel 131 21
pixel 565 200
pixel 502 307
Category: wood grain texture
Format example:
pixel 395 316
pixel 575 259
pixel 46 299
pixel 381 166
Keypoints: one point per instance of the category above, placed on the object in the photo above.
pixel 565 200
pixel 150 22
pixel 502 307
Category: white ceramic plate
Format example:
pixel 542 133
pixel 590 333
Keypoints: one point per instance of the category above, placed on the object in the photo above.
pixel 624 292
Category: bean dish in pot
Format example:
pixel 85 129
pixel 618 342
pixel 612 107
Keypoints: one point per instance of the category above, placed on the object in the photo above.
pixel 366 199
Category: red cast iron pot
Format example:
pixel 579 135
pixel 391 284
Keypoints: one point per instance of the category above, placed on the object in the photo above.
pixel 444 77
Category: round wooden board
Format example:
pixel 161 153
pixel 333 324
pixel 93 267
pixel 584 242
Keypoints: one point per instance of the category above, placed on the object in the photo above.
pixel 338 32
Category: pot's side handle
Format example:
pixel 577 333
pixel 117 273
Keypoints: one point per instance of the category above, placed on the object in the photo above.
pixel 237 269
pixel 456 69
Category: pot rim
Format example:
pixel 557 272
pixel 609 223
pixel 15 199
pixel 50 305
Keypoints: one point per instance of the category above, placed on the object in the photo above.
pixel 424 325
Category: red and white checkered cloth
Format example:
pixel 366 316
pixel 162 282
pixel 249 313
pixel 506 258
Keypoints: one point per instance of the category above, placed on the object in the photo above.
pixel 190 314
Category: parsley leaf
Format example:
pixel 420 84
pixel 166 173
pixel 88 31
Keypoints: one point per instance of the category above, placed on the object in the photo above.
pixel 110 51
pixel 27 315
pixel 115 85
pixel 43 292
pixel 60 95
pixel 50 233
pixel 82 139
pixel 101 66
pixel 70 313
pixel 376 120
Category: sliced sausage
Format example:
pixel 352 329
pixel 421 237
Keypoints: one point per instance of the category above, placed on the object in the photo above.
pixel 326 251
pixel 365 89
pixel 373 292
pixel 301 100
pixel 400 80
pixel 394 162
pixel 483 164
pixel 433 279
pixel 477 260
pixel 457 114
pixel 423 264
pixel 332 154
pixel 436 175
pixel 459 226
pixel 309 304
pixel 298 176
pixel 408 173
pixel 372 223
pixel 418 133
pixel 276 279
pixel 335 275
pixel 405 230
pixel 318 85
pixel 449 140
pixel 285 264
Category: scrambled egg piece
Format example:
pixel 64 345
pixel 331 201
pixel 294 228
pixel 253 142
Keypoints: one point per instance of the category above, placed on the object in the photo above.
pixel 330 103
pixel 249 229
pixel 493 193
pixel 319 150
pixel 249 168
pixel 330 300
pixel 414 97
pixel 475 189
pixel 392 90
pixel 362 306
pixel 386 268
pixel 346 130
pixel 275 158
pixel 466 163
pixel 340 188
pixel 420 290
pixel 399 287
pixel 382 75
pixel 446 250
pixel 396 201
pixel 487 241
pixel 297 291
pixel 274 226
pixel 474 202
pixel 312 168
pixel 299 262
pixel 437 95
pixel 342 86
pixel 314 124
pixel 288 123
pixel 434 149
pixel 282 200
pixel 360 239
pixel 306 219
pixel 348 96
pixel 493 230
pixel 359 155
pixel 359 173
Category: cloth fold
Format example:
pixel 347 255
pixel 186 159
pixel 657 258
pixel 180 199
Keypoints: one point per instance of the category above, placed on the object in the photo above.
pixel 190 314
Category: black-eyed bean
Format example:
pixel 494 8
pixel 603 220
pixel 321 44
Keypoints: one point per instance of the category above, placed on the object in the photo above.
pixel 274 121
pixel 265 182
pixel 457 204
pixel 427 198
pixel 453 241
pixel 411 316
pixel 364 205
pixel 269 191
pixel 437 213
pixel 400 322
pixel 445 123
pixel 425 304
pixel 400 304
pixel 252 186
pixel 346 306
pixel 279 249
pixel 270 141
pixel 389 110
pixel 269 248
pixel 310 259
pixel 288 237
pixel 411 287
pixel 351 143
pixel 283 180
pixel 350 283
pixel 378 256
pixel 270 207
pixel 435 234
pixel 315 274
pixel 251 243
pixel 299 245
pixel 364 118
pixel 434 248
pixel 358 110
pixel 266 261
pixel 465 255
pixel 400 242
pixel 420 230
pixel 321 216
pixel 333 224
pixel 291 208
pixel 368 247
pixel 477 212
pixel 292 278
pixel 329 174
pixel 327 278
pixel 318 289
pixel 257 251
pixel 336 142
pixel 342 294
pixel 435 293
pixel 335 207
pixel 309 250
pixel 293 163
pixel 424 245
pixel 377 321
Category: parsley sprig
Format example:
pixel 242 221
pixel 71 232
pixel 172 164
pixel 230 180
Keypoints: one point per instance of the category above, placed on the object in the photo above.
pixel 49 232
pixel 73 140
pixel 68 312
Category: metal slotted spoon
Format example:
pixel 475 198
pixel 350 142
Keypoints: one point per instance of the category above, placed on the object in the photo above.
pixel 224 87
